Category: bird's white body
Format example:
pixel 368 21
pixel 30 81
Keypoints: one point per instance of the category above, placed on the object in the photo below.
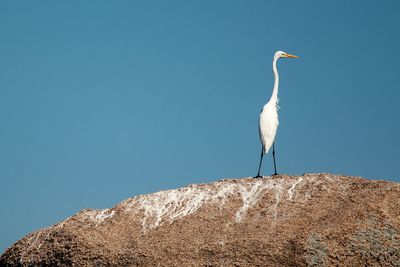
pixel 269 122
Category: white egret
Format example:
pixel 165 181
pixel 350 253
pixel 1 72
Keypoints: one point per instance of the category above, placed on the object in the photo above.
pixel 268 122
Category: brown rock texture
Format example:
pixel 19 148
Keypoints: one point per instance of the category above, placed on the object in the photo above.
pixel 309 220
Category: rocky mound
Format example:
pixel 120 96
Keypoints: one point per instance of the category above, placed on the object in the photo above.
pixel 309 220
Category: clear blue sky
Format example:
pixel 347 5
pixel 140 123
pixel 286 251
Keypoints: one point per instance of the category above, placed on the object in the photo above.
pixel 104 100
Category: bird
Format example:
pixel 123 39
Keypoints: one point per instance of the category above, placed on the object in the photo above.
pixel 268 120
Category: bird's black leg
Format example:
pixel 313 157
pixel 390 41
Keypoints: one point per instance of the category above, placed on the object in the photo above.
pixel 259 166
pixel 273 155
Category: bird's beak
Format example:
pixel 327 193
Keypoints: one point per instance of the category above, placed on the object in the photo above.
pixel 291 56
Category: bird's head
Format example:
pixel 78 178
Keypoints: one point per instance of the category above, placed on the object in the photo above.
pixel 279 54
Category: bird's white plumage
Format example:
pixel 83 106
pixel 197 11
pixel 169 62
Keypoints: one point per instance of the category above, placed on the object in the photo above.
pixel 268 122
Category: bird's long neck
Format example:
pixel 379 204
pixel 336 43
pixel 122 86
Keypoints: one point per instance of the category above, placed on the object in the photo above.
pixel 274 96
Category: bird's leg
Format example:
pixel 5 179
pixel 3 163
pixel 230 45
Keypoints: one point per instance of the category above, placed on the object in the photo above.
pixel 259 166
pixel 273 155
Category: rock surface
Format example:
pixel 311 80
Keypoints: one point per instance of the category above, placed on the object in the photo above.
pixel 309 220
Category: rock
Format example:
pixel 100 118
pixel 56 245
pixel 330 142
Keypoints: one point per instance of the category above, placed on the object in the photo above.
pixel 309 220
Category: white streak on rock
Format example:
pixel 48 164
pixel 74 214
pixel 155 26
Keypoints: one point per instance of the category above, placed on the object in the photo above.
pixel 98 216
pixel 278 192
pixel 168 206
pixel 35 242
pixel 104 214
pixel 291 189
pixel 250 196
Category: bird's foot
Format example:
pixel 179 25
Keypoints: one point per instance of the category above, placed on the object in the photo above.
pixel 275 174
pixel 258 176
